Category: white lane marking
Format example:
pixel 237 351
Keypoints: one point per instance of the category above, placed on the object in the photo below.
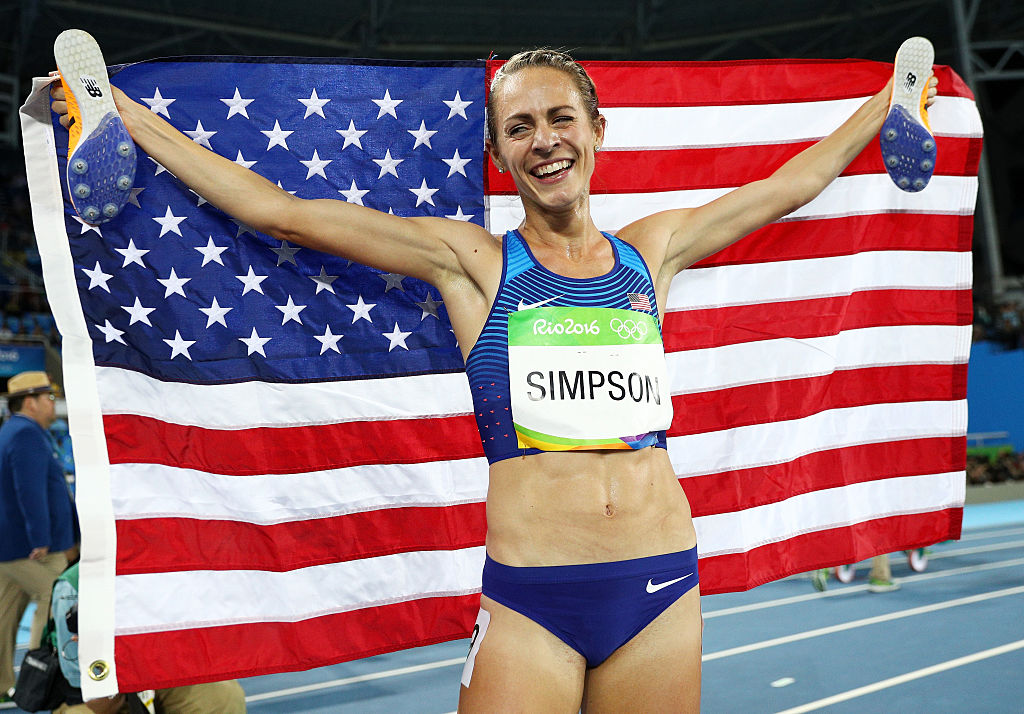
pixel 976 549
pixel 354 680
pixel 978 535
pixel 859 588
pixel 853 624
pixel 909 676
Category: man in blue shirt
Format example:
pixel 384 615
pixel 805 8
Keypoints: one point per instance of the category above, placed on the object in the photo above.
pixel 37 522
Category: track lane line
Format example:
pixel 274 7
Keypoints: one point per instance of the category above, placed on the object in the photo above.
pixel 863 622
pixel 908 677
pixel 850 589
pixel 319 686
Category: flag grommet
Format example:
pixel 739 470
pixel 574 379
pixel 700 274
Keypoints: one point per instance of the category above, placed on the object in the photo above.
pixel 99 670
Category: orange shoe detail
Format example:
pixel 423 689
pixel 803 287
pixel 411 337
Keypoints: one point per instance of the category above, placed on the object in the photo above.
pixel 75 127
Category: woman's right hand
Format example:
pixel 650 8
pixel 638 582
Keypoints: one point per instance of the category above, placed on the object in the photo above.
pixel 59 103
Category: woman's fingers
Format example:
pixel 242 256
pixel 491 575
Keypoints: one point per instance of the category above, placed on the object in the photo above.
pixel 933 90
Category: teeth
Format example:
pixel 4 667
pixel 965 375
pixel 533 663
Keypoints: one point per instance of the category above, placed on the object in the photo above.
pixel 552 168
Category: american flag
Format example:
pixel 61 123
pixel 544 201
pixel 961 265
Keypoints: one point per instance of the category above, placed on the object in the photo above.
pixel 278 466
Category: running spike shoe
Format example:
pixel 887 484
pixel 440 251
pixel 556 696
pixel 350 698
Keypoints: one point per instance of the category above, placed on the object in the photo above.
pixel 908 147
pixel 101 154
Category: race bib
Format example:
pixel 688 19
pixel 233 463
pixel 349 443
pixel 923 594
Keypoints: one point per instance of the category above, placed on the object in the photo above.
pixel 586 378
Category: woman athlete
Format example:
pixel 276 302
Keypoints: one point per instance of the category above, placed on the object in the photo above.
pixel 590 597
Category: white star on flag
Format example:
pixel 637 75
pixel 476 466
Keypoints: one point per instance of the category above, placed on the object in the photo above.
pixel 97 278
pixel 397 338
pixel 422 135
pixel 459 215
pixel 354 194
pixel 138 313
pixel 277 136
pixel 392 280
pixel 199 199
pixel 132 254
pixel 387 104
pixel 251 281
pixel 240 160
pixel 457 106
pixel 429 307
pixel 200 135
pixel 157 104
pixel 387 165
pixel 211 252
pixel 290 311
pixel 315 166
pixel 169 223
pixel 361 310
pixel 237 105
pixel 314 105
pixel 328 341
pixel 254 343
pixel 160 168
pixel 286 253
pixel 456 164
pixel 179 346
pixel 134 197
pixel 173 284
pixel 87 227
pixel 351 135
pixel 423 193
pixel 243 228
pixel 111 333
pixel 323 280
pixel 215 313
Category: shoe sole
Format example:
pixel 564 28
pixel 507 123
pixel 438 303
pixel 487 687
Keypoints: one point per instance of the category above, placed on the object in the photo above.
pixel 908 146
pixel 101 153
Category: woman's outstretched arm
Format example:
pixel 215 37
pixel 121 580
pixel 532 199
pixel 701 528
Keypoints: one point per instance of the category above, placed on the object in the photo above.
pixel 673 240
pixel 432 249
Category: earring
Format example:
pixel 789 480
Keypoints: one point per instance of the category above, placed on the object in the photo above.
pixel 596 148
pixel 501 170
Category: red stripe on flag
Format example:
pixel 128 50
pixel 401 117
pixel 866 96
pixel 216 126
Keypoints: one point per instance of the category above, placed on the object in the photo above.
pixel 817 317
pixel 821 549
pixel 646 84
pixel 179 657
pixel 728 166
pixel 783 400
pixel 154 545
pixel 736 490
pixel 264 450
pixel 820 238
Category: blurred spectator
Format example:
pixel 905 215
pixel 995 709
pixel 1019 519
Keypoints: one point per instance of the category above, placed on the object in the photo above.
pixel 994 467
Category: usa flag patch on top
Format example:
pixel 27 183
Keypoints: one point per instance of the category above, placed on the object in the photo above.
pixel 639 301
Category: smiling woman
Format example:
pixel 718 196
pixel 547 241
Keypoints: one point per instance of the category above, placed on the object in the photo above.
pixel 590 588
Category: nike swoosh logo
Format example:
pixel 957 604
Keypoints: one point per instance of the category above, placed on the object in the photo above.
pixel 652 588
pixel 530 306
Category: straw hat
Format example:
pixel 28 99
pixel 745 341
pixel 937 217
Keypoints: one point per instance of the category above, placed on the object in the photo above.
pixel 26 383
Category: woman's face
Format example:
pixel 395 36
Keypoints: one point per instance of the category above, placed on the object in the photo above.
pixel 545 138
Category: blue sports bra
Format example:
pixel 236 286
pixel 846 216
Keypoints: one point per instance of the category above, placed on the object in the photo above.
pixel 526 284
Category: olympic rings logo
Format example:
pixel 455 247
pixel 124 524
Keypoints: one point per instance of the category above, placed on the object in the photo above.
pixel 629 329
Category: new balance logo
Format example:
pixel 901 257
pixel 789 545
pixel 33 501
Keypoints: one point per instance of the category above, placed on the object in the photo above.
pixel 910 81
pixel 92 87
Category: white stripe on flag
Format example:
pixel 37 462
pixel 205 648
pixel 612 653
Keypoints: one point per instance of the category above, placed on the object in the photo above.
pixel 846 196
pixel 721 286
pixel 738 532
pixel 788 358
pixel 780 442
pixel 158 491
pixel 736 125
pixel 153 602
pixel 279 404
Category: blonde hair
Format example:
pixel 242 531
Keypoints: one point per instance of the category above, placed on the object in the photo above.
pixel 543 57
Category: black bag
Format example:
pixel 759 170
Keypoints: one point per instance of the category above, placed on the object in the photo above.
pixel 41 685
